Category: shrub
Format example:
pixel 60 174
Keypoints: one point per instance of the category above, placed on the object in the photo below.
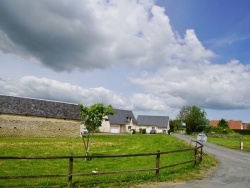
pixel 218 130
pixel 143 131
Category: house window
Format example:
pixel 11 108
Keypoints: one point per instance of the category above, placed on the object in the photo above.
pixel 153 128
pixel 129 119
pixel 129 127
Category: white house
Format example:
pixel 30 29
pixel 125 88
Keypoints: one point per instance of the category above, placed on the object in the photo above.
pixel 121 122
pixel 158 123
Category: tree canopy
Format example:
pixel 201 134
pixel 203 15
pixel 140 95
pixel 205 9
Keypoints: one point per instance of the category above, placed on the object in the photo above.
pixel 175 125
pixel 94 115
pixel 194 118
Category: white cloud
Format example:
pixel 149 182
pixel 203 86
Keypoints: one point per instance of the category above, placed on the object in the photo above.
pixel 94 34
pixel 147 102
pixel 44 88
pixel 224 86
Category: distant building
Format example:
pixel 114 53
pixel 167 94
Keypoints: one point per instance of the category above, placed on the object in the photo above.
pixel 158 123
pixel 246 125
pixel 232 124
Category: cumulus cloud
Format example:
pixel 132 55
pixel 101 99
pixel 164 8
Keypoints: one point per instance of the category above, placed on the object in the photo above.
pixel 214 86
pixel 147 102
pixel 96 34
pixel 44 88
pixel 72 34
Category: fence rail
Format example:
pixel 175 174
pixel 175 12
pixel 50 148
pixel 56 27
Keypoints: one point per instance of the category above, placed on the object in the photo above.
pixel 197 157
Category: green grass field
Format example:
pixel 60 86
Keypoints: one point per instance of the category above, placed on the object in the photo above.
pixel 102 145
pixel 231 142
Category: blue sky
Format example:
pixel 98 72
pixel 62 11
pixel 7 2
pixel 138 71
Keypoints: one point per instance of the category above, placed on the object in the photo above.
pixel 222 26
pixel 152 57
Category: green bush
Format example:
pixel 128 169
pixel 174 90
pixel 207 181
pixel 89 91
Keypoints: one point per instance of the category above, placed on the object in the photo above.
pixel 143 131
pixel 243 132
pixel 218 130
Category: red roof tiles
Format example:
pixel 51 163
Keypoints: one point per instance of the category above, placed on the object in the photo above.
pixel 232 124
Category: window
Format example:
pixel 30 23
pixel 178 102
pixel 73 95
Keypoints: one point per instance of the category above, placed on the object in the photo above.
pixel 129 127
pixel 153 128
pixel 129 119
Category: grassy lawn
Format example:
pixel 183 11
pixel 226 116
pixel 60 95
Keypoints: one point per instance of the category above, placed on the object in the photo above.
pixel 231 142
pixel 102 145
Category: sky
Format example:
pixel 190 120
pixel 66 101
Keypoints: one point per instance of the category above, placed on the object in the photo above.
pixel 151 57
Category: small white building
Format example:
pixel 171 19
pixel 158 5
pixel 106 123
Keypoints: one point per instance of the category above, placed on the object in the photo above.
pixel 123 121
pixel 158 123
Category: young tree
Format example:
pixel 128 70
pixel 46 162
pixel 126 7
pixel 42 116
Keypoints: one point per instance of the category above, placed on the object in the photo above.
pixel 92 119
pixel 194 118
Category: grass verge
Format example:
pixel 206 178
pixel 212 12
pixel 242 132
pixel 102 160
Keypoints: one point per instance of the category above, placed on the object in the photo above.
pixel 231 142
pixel 102 145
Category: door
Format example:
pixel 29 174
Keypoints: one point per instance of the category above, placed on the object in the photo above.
pixel 114 129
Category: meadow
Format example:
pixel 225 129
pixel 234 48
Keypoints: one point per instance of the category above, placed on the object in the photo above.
pixel 101 145
pixel 232 142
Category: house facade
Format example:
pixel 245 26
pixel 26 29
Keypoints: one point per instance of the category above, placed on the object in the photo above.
pixel 158 123
pixel 123 121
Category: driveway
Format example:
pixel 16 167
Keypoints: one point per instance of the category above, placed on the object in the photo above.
pixel 233 170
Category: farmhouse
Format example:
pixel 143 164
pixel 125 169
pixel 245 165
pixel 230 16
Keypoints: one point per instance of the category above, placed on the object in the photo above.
pixel 158 123
pixel 121 122
pixel 38 118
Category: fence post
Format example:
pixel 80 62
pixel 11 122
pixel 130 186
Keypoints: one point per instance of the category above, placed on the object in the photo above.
pixel 157 164
pixel 70 178
pixel 241 143
pixel 195 155
pixel 201 152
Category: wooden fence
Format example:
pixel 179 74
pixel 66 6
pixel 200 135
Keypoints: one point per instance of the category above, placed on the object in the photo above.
pixel 197 158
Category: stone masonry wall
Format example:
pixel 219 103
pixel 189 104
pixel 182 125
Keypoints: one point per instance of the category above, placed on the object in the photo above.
pixel 30 126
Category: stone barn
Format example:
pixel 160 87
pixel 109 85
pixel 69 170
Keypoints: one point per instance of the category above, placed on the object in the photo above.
pixel 25 117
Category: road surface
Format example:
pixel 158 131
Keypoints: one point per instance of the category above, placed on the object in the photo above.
pixel 233 170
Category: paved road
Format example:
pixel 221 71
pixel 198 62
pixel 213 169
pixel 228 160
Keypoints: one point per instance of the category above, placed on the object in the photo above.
pixel 233 170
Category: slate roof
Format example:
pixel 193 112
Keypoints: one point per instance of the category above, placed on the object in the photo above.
pixel 158 121
pixel 40 108
pixel 121 117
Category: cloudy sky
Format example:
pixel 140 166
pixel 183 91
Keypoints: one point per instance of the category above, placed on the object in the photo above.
pixel 152 57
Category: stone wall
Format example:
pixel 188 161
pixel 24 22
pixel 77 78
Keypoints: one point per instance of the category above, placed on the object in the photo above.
pixel 30 126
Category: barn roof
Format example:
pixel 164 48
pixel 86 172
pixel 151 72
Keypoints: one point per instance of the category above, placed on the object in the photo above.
pixel 158 121
pixel 37 107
